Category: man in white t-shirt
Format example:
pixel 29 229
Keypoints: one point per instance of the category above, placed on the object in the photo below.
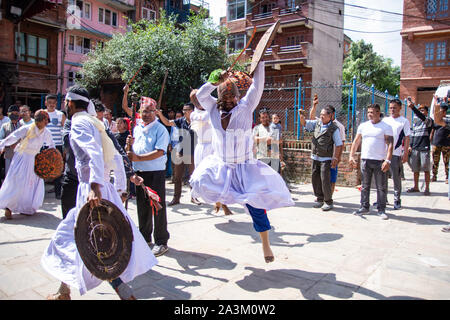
pixel 376 141
pixel 401 131
pixel 56 124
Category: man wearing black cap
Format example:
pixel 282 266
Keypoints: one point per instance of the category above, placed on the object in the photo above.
pixel 6 130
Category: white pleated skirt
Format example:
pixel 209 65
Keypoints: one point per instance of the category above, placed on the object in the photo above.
pixel 252 182
pixel 22 191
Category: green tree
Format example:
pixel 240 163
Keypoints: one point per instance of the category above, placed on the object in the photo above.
pixel 371 68
pixel 189 52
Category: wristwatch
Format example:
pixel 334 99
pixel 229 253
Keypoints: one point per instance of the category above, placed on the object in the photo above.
pixel 388 161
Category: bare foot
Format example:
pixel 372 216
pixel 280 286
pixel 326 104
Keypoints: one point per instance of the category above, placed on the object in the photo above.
pixel 59 296
pixel 217 207
pixel 268 254
pixel 226 210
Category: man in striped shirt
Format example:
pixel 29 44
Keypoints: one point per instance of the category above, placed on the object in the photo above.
pixel 56 124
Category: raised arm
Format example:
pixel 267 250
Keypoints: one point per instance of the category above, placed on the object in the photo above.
pixel 164 120
pixel 125 107
pixel 204 97
pixel 416 111
pixel 312 112
pixel 256 89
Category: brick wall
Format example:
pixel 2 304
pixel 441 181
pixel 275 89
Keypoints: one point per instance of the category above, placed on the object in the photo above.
pixel 415 34
pixel 299 164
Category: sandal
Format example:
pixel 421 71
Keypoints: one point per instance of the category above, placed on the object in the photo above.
pixel 412 190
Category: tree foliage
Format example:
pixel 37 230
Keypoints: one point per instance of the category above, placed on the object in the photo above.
pixel 189 52
pixel 371 68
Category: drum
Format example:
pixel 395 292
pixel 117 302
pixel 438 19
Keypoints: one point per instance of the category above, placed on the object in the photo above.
pixel 48 164
pixel 104 240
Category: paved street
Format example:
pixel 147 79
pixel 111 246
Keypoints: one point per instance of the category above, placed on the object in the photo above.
pixel 319 255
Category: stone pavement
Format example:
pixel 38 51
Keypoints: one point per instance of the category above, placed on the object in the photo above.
pixel 318 255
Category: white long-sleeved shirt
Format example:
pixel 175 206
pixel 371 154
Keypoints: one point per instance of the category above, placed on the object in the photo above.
pixel 235 144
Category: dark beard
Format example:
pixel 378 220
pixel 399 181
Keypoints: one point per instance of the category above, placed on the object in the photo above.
pixel 226 106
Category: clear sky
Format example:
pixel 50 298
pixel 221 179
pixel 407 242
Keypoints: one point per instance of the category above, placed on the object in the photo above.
pixel 388 45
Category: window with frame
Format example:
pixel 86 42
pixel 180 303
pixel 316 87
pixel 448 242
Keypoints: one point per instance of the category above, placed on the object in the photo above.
pixel 290 4
pixel 148 14
pixel 236 9
pixel 32 49
pixel 267 8
pixel 70 78
pixel 441 55
pixel 236 42
pixel 79 8
pixel 437 54
pixel 108 17
pixel 437 9
pixel 429 54
pixel 293 41
pixel 79 44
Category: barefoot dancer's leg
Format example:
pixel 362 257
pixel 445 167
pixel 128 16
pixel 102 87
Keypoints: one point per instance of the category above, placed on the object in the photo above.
pixel 62 294
pixel 226 210
pixel 262 225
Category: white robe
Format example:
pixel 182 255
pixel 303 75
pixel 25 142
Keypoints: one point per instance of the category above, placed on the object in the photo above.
pixel 61 259
pixel 202 126
pixel 231 174
pixel 23 191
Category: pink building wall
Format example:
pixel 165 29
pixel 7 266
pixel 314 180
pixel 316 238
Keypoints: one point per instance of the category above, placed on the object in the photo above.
pixel 72 61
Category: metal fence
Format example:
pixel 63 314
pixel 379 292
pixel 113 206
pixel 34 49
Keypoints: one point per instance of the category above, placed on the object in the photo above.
pixel 286 95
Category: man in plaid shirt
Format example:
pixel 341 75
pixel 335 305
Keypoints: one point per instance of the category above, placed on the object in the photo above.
pixel 419 149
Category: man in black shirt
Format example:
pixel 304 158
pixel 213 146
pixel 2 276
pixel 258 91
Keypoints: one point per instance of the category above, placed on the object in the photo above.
pixel 186 153
pixel 419 149
pixel 441 144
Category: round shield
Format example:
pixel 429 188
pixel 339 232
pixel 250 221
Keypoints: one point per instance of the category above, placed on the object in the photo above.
pixel 104 239
pixel 48 164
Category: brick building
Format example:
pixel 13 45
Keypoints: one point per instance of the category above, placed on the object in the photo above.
pixel 425 48
pixel 304 45
pixel 29 64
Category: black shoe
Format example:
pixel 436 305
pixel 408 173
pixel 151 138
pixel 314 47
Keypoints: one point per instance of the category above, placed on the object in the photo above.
pixel 361 211
pixel 318 205
pixel 173 202
pixel 159 250
pixel 397 205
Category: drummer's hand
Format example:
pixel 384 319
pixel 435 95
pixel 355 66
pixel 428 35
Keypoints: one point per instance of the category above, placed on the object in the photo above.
pixel 136 180
pixel 95 195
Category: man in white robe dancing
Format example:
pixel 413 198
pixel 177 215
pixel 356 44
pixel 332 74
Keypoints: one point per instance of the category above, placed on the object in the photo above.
pixel 231 174
pixel 95 156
